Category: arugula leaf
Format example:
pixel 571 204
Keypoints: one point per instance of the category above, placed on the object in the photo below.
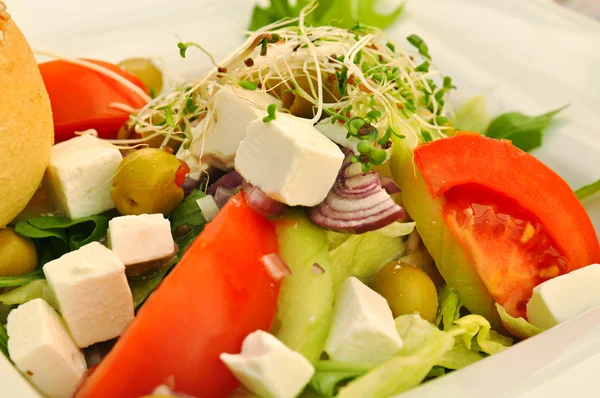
pixel 186 216
pixel 340 13
pixel 524 131
pixel 55 236
pixel 588 190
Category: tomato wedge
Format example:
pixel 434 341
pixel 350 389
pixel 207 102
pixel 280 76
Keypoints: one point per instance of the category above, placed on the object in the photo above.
pixel 517 220
pixel 217 294
pixel 81 98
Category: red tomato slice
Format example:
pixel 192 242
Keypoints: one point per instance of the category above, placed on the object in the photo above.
pixel 217 294
pixel 81 98
pixel 518 221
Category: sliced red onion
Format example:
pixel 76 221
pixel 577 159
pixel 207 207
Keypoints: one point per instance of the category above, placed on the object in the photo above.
pixel 222 195
pixel 389 185
pixel 189 185
pixel 275 266
pixel 317 269
pixel 231 180
pixel 261 202
pixel 357 203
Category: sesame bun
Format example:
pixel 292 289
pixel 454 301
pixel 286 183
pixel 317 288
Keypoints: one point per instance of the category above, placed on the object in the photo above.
pixel 26 130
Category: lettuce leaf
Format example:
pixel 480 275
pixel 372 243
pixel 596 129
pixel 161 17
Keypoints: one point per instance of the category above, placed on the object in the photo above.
pixel 474 337
pixel 341 13
pixel 472 115
pixel 34 289
pixel 517 326
pixel 364 255
pixel 424 346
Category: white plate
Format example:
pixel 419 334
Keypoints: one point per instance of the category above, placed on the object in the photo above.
pixel 531 56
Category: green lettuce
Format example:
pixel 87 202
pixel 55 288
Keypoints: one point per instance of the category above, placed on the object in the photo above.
pixel 472 115
pixel 34 289
pixel 517 326
pixel 364 255
pixel 424 346
pixel 473 334
pixel 341 13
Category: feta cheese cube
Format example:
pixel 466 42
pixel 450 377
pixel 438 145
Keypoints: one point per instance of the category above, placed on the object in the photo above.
pixel 92 293
pixel 216 140
pixel 142 238
pixel 564 297
pixel 196 168
pixel 268 368
pixel 43 351
pixel 289 160
pixel 18 386
pixel 363 328
pixel 80 175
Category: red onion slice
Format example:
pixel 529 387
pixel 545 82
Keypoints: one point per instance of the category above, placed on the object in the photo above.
pixel 389 185
pixel 261 202
pixel 231 180
pixel 357 203
pixel 222 195
pixel 275 266
pixel 317 269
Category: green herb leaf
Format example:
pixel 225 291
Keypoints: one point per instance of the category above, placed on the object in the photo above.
pixel 340 13
pixel 525 132
pixel 169 116
pixel 420 45
pixel 424 67
pixel 248 85
pixel 588 190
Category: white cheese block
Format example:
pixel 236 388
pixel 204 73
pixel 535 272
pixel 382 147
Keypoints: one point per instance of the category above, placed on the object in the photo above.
pixel 216 140
pixel 17 386
pixel 142 238
pixel 43 351
pixel 363 328
pixel 289 160
pixel 564 297
pixel 92 293
pixel 80 175
pixel 268 368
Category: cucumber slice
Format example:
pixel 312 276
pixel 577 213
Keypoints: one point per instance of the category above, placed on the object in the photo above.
pixel 305 302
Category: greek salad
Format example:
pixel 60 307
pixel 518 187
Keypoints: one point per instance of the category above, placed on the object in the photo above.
pixel 309 218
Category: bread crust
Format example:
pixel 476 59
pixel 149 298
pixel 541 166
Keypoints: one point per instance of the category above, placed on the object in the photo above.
pixel 26 129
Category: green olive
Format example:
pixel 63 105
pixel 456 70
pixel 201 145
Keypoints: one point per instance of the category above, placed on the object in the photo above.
pixel 146 71
pixel 299 106
pixel 17 253
pixel 408 290
pixel 145 183
pixel 423 260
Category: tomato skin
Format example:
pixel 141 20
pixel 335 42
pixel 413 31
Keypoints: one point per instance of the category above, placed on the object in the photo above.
pixel 217 294
pixel 80 98
pixel 466 159
pixel 470 158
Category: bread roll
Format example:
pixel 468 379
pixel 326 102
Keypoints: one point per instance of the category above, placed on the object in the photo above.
pixel 26 130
